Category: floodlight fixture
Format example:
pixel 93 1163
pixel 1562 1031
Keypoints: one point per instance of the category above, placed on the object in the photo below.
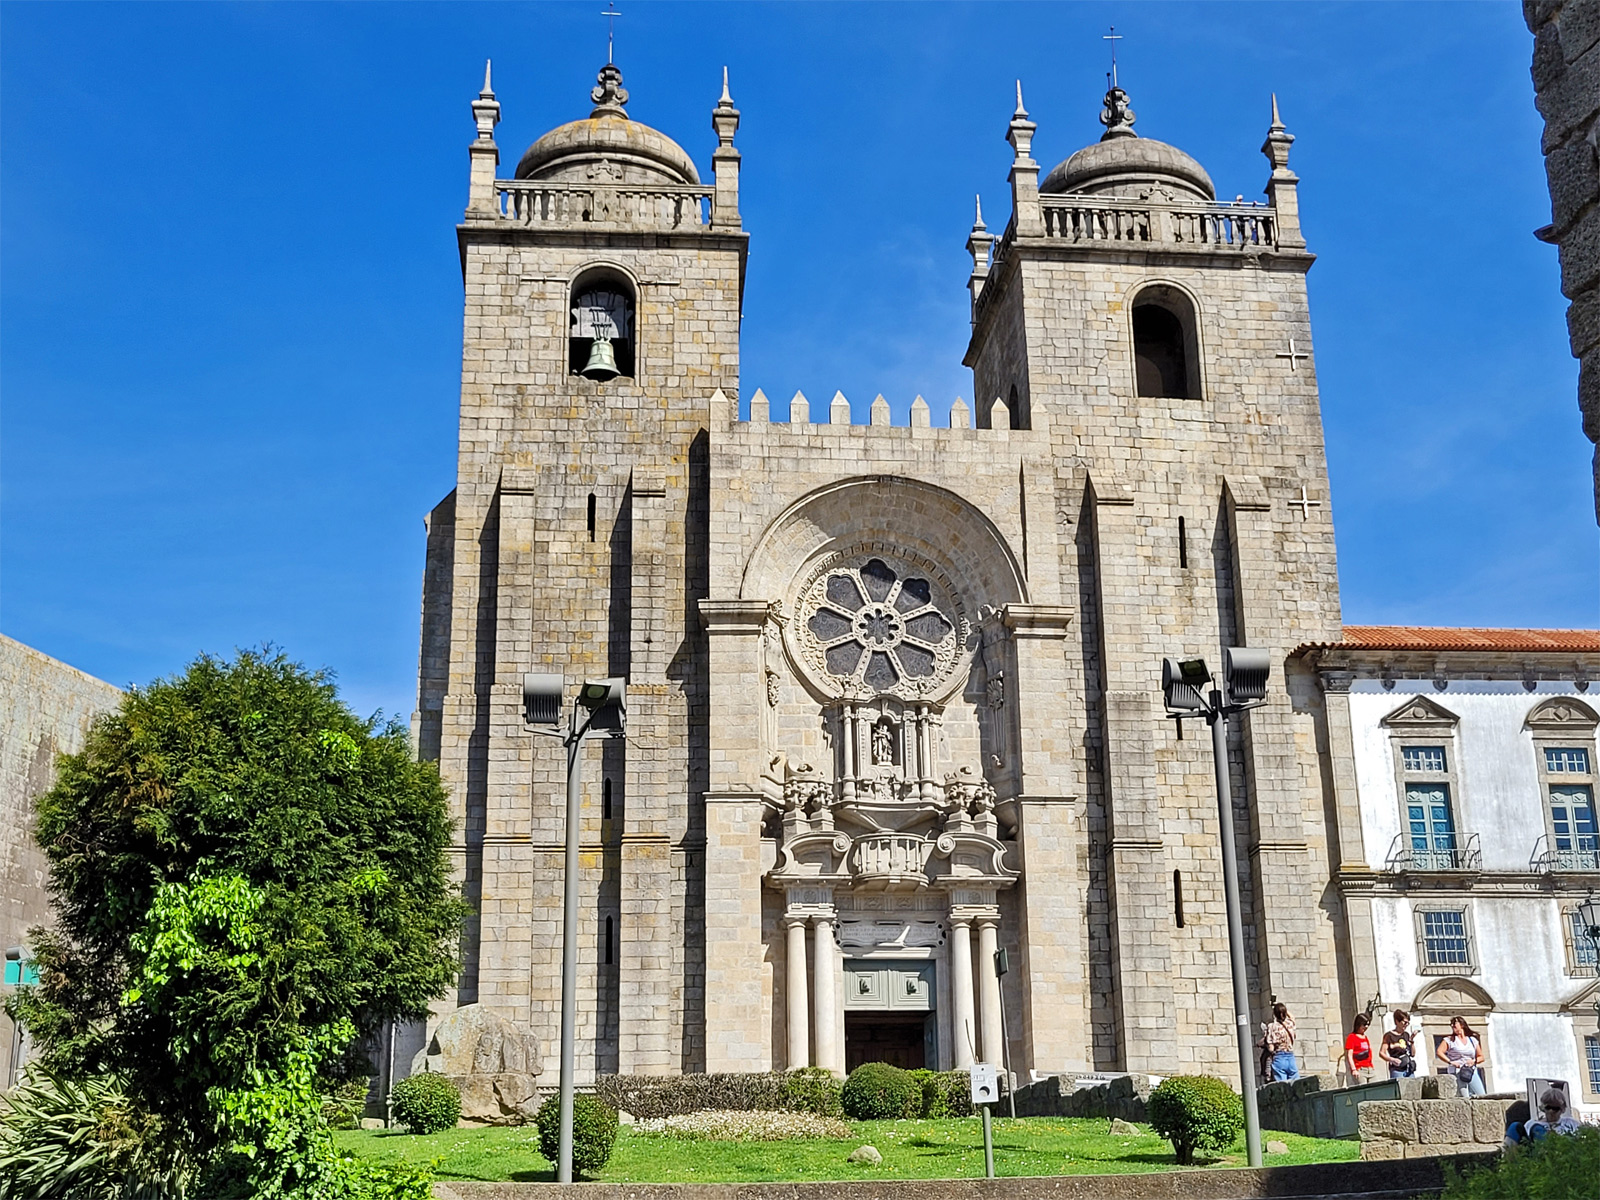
pixel 541 697
pixel 1247 671
pixel 1181 683
pixel 597 693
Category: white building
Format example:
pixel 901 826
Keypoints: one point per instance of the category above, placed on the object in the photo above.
pixel 1464 772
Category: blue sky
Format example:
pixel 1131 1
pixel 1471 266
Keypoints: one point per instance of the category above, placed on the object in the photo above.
pixel 230 300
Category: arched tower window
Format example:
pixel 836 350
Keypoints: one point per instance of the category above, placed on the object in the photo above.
pixel 1165 356
pixel 601 334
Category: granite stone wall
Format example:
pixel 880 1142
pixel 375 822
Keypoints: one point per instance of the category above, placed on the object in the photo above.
pixel 1566 80
pixel 46 708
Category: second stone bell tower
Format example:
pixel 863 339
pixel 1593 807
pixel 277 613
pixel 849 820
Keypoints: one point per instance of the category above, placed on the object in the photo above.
pixel 603 287
pixel 1163 340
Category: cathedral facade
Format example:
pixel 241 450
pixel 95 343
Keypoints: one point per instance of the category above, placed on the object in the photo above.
pixel 893 691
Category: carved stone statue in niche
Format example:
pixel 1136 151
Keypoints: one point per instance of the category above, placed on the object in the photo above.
pixel 882 745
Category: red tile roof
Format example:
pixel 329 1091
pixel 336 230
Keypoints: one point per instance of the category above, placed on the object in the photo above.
pixel 1414 637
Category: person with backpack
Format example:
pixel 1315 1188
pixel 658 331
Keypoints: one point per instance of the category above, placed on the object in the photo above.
pixel 1462 1052
pixel 1398 1047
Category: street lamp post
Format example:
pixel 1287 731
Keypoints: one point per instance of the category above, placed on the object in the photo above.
pixel 1183 685
pixel 605 705
pixel 1589 918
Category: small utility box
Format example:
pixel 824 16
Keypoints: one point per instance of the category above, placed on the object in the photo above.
pixel 985 1085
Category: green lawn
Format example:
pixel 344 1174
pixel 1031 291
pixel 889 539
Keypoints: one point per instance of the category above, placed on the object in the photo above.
pixel 910 1149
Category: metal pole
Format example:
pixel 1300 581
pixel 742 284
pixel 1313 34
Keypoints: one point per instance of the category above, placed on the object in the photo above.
pixel 988 1144
pixel 1218 720
pixel 1005 1051
pixel 569 945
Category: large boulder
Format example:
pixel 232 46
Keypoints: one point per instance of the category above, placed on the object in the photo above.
pixel 492 1061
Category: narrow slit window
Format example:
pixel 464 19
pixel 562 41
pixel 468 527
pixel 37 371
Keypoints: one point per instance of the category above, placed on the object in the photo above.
pixel 1183 545
pixel 591 516
pixel 611 941
pixel 605 799
pixel 1177 898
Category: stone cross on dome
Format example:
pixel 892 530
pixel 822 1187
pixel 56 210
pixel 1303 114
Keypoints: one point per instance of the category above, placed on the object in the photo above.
pixel 1117 117
pixel 610 13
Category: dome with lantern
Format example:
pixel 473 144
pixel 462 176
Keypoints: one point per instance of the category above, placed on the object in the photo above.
pixel 1123 164
pixel 607 145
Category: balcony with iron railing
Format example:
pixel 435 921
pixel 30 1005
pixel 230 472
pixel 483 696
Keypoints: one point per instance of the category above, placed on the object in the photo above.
pixel 1580 853
pixel 1461 854
pixel 573 205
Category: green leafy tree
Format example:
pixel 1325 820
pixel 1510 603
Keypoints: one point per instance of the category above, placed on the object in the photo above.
pixel 246 878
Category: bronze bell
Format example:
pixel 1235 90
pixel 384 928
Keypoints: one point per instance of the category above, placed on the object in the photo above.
pixel 602 364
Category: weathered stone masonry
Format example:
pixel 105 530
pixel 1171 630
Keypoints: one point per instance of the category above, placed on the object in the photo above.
pixel 892 700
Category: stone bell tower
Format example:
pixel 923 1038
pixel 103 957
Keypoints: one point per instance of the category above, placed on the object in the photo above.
pixel 1164 341
pixel 603 288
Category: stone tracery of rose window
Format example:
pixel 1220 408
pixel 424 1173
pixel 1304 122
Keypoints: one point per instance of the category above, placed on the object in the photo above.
pixel 879 628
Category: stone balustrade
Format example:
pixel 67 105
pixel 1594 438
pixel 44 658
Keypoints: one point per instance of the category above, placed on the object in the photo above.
pixel 840 412
pixel 666 206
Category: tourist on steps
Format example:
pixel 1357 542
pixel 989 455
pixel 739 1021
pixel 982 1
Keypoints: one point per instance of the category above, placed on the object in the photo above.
pixel 1462 1052
pixel 1399 1047
pixel 1277 1045
pixel 1358 1051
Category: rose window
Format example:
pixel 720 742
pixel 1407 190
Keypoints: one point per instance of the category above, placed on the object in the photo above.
pixel 877 627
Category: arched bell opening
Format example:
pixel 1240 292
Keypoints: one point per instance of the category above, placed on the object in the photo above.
pixel 1166 358
pixel 603 331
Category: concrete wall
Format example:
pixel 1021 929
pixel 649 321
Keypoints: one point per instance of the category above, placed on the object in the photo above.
pixel 46 708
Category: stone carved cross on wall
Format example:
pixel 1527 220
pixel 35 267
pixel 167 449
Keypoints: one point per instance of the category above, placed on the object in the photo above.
pixel 1293 355
pixel 1305 504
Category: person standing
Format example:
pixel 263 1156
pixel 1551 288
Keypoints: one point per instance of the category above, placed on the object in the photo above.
pixel 1398 1047
pixel 1358 1051
pixel 1462 1052
pixel 1277 1045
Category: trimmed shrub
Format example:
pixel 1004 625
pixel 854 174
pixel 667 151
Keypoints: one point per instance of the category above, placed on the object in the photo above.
pixel 879 1092
pixel 1196 1112
pixel 426 1103
pixel 946 1094
pixel 814 1090
pixel 594 1132
pixel 1556 1167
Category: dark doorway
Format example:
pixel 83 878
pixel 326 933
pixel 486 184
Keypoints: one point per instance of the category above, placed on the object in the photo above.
pixel 899 1039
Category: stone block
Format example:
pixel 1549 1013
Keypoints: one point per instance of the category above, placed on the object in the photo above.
pixel 1382 1150
pixel 1589 392
pixel 1394 1119
pixel 1444 1122
pixel 1489 1120
pixel 1583 322
pixel 1574 177
pixel 1579 24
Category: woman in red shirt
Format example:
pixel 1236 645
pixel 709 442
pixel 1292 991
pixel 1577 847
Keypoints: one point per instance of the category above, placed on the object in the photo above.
pixel 1358 1051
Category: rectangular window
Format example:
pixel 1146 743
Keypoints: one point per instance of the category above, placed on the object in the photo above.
pixel 1591 1055
pixel 1444 938
pixel 1566 760
pixel 1431 826
pixel 1572 824
pixel 1424 758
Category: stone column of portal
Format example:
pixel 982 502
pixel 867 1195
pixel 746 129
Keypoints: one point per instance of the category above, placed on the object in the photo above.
pixel 795 984
pixel 964 1028
pixel 826 967
pixel 988 943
